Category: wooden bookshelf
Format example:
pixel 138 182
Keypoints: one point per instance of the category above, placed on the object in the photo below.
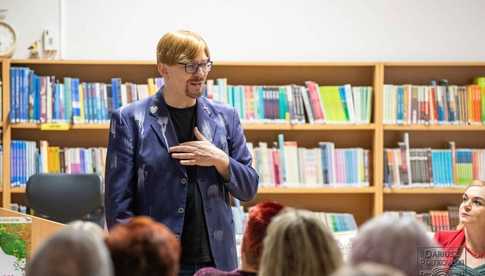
pixel 434 136
pixel 364 202
pixel 424 191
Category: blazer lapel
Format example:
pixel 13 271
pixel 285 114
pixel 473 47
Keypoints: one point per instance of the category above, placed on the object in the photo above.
pixel 205 120
pixel 163 127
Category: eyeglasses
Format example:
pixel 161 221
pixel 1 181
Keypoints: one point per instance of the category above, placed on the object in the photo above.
pixel 192 68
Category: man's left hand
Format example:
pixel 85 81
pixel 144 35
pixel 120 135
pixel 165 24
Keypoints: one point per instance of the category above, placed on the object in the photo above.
pixel 201 153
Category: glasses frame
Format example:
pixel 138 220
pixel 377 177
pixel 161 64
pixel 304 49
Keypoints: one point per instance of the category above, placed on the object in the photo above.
pixel 205 66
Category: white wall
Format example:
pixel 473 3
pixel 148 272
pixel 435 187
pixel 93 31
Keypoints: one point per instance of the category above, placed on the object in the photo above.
pixel 355 30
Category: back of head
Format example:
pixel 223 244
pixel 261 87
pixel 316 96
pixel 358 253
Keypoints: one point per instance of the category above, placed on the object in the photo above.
pixel 71 252
pixel 259 217
pixel 298 243
pixel 368 269
pixel 143 247
pixel 391 241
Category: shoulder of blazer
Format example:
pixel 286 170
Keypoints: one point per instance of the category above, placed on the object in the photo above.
pixel 218 108
pixel 128 111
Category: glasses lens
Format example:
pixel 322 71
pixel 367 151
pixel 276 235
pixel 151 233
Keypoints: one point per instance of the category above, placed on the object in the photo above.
pixel 191 68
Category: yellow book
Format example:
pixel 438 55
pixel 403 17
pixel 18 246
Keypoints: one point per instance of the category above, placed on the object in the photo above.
pixel 151 87
pixel 54 165
pixel 332 104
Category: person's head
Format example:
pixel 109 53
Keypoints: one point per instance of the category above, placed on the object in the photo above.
pixel 391 241
pixel 259 217
pixel 183 60
pixel 368 269
pixel 72 251
pixel 88 227
pixel 298 243
pixel 143 247
pixel 472 208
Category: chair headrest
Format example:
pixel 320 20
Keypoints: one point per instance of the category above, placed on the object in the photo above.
pixel 64 197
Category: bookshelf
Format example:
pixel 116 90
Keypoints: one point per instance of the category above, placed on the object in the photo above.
pixel 364 202
pixel 434 136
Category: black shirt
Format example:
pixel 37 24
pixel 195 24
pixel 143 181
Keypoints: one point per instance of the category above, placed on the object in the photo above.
pixel 195 243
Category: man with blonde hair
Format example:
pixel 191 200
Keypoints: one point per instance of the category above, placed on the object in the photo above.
pixel 178 158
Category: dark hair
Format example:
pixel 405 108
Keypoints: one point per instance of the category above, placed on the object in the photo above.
pixel 259 217
pixel 143 247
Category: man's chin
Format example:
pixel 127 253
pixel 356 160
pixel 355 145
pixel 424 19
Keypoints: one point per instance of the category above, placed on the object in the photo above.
pixel 194 94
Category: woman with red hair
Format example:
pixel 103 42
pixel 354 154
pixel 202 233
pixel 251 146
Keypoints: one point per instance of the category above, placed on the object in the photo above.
pixel 259 218
pixel 143 247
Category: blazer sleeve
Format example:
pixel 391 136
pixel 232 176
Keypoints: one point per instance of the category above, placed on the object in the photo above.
pixel 120 176
pixel 243 179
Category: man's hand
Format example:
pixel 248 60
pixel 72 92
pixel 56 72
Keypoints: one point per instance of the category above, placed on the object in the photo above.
pixel 201 153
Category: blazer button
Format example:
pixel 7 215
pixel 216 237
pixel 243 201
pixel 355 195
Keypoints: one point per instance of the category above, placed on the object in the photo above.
pixel 180 210
pixel 183 181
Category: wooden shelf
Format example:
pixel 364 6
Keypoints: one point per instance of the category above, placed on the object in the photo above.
pixel 17 190
pixel 286 127
pixel 434 127
pixel 430 191
pixel 216 63
pixel 313 191
pixel 79 126
pixel 246 126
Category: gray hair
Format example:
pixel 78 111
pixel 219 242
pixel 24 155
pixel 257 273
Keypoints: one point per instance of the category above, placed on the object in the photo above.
pixel 368 269
pixel 392 241
pixel 298 243
pixel 75 250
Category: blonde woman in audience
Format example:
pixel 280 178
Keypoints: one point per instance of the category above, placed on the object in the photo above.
pixel 396 242
pixel 143 247
pixel 465 248
pixel 299 244
pixel 76 250
pixel 368 269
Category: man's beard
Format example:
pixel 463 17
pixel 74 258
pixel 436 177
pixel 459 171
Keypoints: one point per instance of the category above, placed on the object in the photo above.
pixel 194 87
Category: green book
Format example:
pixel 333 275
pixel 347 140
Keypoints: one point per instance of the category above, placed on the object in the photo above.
pixel 332 104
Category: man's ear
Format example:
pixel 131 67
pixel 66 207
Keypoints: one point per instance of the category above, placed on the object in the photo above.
pixel 162 70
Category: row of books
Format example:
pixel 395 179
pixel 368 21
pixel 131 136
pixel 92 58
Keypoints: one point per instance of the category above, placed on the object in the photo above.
pixel 405 166
pixel 442 220
pixel 435 104
pixel 336 222
pixel 28 159
pixel 295 104
pixel 288 165
pixel 43 99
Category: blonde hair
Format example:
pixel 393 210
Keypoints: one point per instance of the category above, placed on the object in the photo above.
pixel 180 46
pixel 298 243
pixel 475 183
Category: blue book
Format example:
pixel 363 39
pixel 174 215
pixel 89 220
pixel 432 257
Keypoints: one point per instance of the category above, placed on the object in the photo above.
pixel 13 88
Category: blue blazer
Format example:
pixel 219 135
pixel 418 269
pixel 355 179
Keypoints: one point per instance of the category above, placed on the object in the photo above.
pixel 143 179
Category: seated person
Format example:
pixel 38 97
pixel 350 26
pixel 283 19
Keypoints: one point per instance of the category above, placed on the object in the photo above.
pixel 143 247
pixel 76 250
pixel 392 241
pixel 299 244
pixel 465 247
pixel 259 218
